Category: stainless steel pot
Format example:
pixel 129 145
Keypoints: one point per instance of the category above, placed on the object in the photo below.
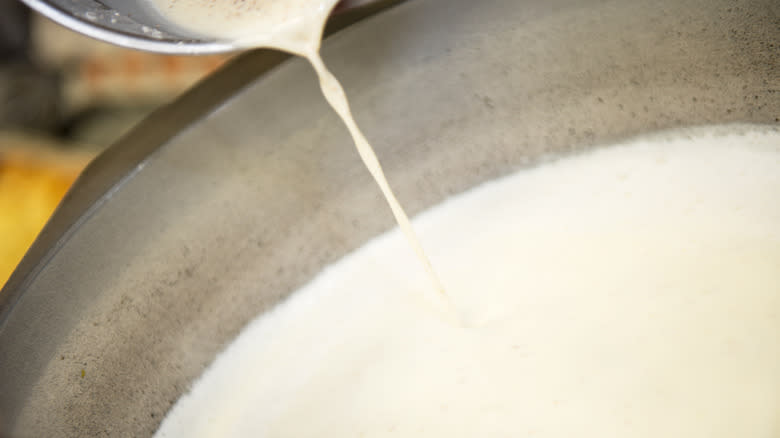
pixel 224 202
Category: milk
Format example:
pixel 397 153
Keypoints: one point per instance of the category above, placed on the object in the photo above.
pixel 631 291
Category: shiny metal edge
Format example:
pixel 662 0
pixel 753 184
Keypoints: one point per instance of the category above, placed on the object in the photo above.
pixel 128 40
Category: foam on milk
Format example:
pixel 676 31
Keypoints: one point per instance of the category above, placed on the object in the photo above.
pixel 294 26
pixel 631 291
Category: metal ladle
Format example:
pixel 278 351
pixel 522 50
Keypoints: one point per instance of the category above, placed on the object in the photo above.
pixel 136 25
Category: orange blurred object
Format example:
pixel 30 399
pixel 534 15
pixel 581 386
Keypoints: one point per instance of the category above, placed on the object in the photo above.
pixel 33 180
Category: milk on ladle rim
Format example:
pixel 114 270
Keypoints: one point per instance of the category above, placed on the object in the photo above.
pixel 294 26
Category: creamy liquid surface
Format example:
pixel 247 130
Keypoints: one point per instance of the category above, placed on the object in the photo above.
pixel 632 291
pixel 294 26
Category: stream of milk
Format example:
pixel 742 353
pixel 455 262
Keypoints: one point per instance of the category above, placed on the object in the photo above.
pixel 294 26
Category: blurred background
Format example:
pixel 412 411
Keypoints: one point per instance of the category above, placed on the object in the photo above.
pixel 64 98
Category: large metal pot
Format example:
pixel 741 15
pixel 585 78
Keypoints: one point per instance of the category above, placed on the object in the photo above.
pixel 224 202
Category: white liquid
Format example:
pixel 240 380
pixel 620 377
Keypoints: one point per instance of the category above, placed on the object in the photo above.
pixel 633 291
pixel 291 25
pixel 294 26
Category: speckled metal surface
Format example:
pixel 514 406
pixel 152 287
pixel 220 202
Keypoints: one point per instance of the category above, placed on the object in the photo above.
pixel 261 186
